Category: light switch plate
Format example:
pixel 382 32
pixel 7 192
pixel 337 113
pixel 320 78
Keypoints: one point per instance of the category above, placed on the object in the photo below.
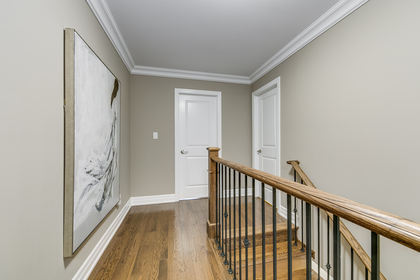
pixel 155 135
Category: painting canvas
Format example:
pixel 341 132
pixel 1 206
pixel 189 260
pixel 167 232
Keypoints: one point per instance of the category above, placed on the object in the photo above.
pixel 92 135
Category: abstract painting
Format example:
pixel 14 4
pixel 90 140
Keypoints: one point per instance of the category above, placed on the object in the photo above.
pixel 92 141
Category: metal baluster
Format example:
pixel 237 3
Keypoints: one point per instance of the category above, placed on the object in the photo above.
pixel 274 235
pixel 352 264
pixel 319 245
pixel 246 241
pixel 289 237
pixel 308 241
pixel 263 226
pixel 253 230
pixel 366 273
pixel 217 208
pixel 234 225
pixel 337 248
pixel 226 216
pixel 240 230
pixel 328 266
pixel 230 222
pixel 301 211
pixel 220 226
pixel 295 212
pixel 376 271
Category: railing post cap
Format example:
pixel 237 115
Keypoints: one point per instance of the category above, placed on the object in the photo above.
pixel 291 161
pixel 213 149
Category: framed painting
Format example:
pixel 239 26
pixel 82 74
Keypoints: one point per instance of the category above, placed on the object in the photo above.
pixel 92 101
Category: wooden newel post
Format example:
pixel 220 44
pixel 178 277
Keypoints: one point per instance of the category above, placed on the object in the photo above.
pixel 211 222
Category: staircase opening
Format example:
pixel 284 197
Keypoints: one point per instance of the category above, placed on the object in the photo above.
pixel 252 241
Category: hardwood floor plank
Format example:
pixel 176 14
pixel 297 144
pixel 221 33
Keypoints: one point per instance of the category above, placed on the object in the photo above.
pixel 106 266
pixel 144 248
pixel 126 263
pixel 169 242
pixel 165 242
pixel 163 269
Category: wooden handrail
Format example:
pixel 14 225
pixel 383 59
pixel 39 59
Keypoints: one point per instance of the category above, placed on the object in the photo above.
pixel 358 249
pixel 396 228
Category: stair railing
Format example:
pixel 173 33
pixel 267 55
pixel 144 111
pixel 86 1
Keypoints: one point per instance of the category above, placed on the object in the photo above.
pixel 229 186
pixel 351 240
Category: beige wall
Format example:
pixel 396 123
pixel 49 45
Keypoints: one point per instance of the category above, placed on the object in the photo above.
pixel 350 114
pixel 31 137
pixel 152 109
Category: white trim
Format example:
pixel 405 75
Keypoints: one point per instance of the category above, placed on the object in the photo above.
pixel 283 212
pixel 89 264
pixel 338 12
pixel 243 191
pixel 269 86
pixel 237 193
pixel 94 256
pixel 103 14
pixel 178 92
pixel 153 199
pixel 193 75
pixel 323 273
pixel 274 84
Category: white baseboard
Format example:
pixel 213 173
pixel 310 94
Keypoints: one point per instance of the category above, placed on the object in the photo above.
pixel 323 273
pixel 94 256
pixel 84 272
pixel 237 192
pixel 249 192
pixel 283 212
pixel 153 199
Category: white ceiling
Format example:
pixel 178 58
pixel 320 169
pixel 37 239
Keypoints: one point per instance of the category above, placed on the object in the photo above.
pixel 222 40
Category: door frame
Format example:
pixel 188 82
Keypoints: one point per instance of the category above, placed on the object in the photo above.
pixel 274 84
pixel 182 91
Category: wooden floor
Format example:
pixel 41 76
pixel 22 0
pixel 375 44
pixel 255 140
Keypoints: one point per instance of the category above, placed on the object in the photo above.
pixel 169 241
pixel 165 241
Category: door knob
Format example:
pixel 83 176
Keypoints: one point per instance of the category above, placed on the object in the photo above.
pixel 259 151
pixel 184 152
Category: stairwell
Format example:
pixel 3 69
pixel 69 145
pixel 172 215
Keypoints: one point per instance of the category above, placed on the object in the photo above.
pixel 229 182
pixel 242 263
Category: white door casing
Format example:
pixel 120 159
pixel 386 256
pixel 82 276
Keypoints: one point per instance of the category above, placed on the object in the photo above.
pixel 266 132
pixel 197 126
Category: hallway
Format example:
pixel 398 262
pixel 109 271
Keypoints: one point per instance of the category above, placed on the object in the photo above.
pixel 162 241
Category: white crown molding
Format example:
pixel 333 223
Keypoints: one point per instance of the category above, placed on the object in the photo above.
pixel 94 256
pixel 193 75
pixel 103 14
pixel 338 12
pixel 105 18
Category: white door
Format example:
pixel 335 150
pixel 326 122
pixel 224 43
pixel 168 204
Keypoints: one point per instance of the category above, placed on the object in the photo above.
pixel 266 132
pixel 198 126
